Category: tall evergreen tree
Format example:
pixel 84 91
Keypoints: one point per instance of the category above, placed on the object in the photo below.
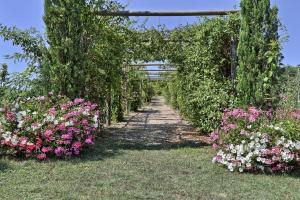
pixel 258 52
pixel 67 33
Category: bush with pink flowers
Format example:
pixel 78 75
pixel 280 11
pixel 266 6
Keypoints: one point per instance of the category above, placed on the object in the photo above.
pixel 48 126
pixel 253 140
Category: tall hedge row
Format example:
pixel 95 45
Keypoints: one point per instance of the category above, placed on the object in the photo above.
pixel 202 87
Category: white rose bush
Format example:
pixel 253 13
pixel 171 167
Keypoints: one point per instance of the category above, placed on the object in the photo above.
pixel 48 126
pixel 252 140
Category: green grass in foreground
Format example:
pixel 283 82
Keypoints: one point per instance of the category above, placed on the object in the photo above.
pixel 139 173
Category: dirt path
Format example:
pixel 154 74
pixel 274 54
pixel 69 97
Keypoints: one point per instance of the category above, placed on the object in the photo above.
pixel 155 125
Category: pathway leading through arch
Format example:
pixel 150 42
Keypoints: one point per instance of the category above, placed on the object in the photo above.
pixel 155 126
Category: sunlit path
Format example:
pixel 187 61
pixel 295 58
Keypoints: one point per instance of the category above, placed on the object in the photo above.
pixel 156 125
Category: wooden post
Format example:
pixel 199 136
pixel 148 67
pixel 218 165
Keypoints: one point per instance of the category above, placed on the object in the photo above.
pixel 298 85
pixel 166 13
pixel 233 62
pixel 126 90
pixel 108 107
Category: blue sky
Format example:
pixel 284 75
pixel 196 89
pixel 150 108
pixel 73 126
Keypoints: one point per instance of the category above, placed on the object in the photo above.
pixel 28 13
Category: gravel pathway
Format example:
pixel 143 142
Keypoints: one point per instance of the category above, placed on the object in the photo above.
pixel 155 125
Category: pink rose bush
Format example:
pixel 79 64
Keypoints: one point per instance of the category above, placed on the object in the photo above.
pixel 48 126
pixel 252 140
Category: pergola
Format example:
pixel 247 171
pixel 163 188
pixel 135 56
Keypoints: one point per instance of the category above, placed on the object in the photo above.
pixel 143 66
pixel 196 13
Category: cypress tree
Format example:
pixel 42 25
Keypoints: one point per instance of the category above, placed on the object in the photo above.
pixel 66 26
pixel 258 52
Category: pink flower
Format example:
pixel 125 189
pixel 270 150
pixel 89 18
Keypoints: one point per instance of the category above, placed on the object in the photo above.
pixel 68 136
pixel 59 151
pixel 252 118
pixel 78 101
pixel 10 116
pixel 41 98
pixel 94 106
pixel 30 147
pixel 85 122
pixel 243 132
pixel 214 136
pixel 232 126
pixel 253 111
pixel 60 142
pixel 52 111
pixel 48 133
pixel 35 126
pixel 68 152
pixel 215 146
pixel 276 150
pixel 89 140
pixel 218 158
pixel 77 145
pixel 64 106
pixel 46 149
pixel 73 129
pixel 41 156
pixel 76 151
pixel 62 127
pixel 268 162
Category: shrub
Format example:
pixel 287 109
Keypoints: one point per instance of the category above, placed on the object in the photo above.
pixel 253 140
pixel 48 126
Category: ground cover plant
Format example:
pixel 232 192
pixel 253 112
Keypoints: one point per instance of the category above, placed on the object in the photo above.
pixel 48 126
pixel 252 140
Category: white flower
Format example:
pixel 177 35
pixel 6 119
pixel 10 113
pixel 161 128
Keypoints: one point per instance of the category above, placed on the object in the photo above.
pixel 55 122
pixel 297 146
pixel 248 165
pixel 14 140
pixel 20 124
pixel 50 118
pixel 6 135
pixel 95 118
pixel 233 151
pixel 69 123
pixel 259 159
pixel 230 167
pixel 23 113
pixel 17 106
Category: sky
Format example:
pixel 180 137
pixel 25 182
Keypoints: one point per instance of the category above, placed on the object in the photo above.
pixel 28 13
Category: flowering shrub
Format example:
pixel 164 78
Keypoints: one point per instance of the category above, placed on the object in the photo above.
pixel 253 140
pixel 48 126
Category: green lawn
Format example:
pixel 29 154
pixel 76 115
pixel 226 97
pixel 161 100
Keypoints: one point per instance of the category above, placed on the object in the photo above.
pixel 118 172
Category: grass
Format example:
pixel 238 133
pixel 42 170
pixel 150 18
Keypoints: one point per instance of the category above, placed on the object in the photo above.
pixel 113 171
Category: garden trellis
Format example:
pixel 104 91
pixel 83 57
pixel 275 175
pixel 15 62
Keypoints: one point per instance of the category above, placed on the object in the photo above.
pixel 157 76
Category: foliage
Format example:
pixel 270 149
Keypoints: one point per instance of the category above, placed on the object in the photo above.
pixel 259 54
pixel 3 80
pixel 252 140
pixel 202 89
pixel 289 88
pixel 47 126
pixel 84 55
